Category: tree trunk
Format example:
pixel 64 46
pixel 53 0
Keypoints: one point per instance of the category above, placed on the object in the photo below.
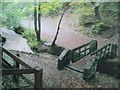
pixel 65 6
pixel 39 23
pixel 97 14
pixel 96 10
pixel 35 21
pixel 58 29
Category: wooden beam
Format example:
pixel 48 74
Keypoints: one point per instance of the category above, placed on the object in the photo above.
pixel 16 58
pixel 16 71
pixel 75 69
pixel 27 80
pixel 5 64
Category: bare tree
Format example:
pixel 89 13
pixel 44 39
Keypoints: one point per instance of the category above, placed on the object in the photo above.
pixel 65 6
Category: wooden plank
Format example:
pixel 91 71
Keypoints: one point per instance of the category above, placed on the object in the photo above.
pixel 27 80
pixel 100 49
pixel 22 77
pixel 84 51
pixel 16 58
pixel 38 72
pixel 16 71
pixel 91 42
pixel 75 69
pixel 104 50
pixel 6 64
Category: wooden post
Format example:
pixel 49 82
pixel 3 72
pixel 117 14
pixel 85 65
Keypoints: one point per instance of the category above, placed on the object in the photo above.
pixel 1 55
pixel 113 53
pixel 38 78
pixel 119 32
pixel 93 46
pixel 16 77
pixel 90 69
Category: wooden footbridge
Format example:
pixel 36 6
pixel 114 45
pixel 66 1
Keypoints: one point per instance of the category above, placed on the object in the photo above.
pixel 94 60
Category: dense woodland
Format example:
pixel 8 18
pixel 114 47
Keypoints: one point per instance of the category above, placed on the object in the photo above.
pixel 92 19
pixel 91 15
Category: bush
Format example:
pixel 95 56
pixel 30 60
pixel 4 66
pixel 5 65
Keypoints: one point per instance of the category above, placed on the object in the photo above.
pixel 19 29
pixel 96 29
pixel 99 27
pixel 31 37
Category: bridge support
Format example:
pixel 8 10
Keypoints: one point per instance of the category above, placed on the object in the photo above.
pixel 90 70
pixel 113 51
pixel 64 59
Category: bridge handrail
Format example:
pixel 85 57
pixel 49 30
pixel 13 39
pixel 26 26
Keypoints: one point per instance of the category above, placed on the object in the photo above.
pixel 102 52
pixel 15 70
pixel 67 55
pixel 87 49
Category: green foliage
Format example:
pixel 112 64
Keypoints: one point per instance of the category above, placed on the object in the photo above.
pixel 13 12
pixel 84 11
pixel 96 29
pixel 110 7
pixel 19 29
pixel 31 37
pixel 51 8
pixel 108 14
pixel 99 27
pixel 27 8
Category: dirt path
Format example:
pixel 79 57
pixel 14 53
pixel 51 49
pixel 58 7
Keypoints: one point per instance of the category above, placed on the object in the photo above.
pixel 14 41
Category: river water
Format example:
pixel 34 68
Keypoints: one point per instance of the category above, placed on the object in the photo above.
pixel 67 37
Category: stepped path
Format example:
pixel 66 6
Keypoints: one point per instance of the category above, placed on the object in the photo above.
pixel 14 41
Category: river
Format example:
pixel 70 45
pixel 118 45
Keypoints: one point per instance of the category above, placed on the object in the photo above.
pixel 67 37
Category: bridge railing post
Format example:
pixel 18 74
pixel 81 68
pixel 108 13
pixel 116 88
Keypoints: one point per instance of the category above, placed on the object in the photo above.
pixel 64 59
pixel 16 77
pixel 113 53
pixel 90 70
pixel 38 78
pixel 93 46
